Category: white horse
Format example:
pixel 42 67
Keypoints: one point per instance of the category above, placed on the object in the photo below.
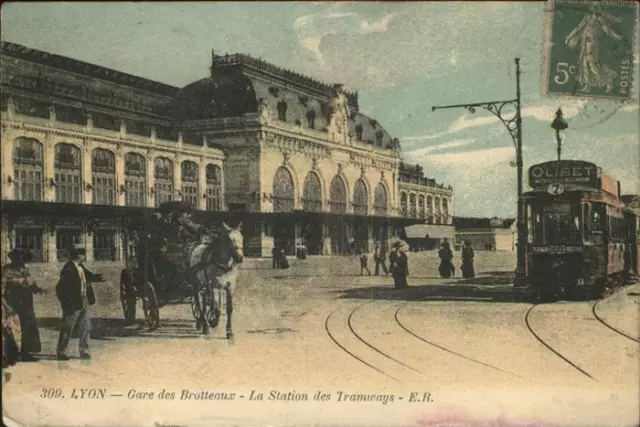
pixel 214 264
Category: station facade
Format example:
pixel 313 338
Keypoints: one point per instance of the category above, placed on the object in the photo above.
pixel 85 148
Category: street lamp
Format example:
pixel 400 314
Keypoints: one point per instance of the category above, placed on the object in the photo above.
pixel 559 125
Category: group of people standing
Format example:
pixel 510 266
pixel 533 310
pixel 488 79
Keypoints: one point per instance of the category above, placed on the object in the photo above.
pixel 447 269
pixel 398 262
pixel 20 334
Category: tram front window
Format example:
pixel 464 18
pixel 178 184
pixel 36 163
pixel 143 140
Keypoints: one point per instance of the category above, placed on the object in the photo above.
pixel 557 224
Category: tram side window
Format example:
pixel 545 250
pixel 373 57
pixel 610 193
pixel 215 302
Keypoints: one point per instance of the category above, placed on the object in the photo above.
pixel 596 217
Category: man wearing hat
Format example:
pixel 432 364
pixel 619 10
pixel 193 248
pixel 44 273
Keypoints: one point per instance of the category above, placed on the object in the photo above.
pixel 75 293
pixel 18 290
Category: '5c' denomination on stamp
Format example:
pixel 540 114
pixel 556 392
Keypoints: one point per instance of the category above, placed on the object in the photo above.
pixel 589 49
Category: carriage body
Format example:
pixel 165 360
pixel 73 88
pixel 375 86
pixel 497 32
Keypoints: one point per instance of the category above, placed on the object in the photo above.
pixel 577 229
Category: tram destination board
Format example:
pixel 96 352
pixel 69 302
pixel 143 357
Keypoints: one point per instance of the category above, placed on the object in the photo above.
pixel 574 172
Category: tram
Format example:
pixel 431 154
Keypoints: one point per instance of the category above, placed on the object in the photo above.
pixel 580 237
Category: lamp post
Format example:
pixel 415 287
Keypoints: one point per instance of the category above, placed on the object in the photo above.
pixel 559 125
pixel 514 126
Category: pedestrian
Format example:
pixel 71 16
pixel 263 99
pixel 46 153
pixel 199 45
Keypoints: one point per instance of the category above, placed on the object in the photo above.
pixel 401 265
pixel 467 261
pixel 393 256
pixel 274 255
pixel 364 261
pixel 283 262
pixel 75 293
pixel 380 257
pixel 18 293
pixel 129 293
pixel 446 268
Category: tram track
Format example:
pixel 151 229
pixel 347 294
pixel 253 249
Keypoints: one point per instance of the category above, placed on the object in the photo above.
pixel 549 347
pixel 618 331
pixel 440 347
pixel 347 351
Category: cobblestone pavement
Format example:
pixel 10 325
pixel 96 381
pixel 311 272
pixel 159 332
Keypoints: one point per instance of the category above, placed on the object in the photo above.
pixel 321 326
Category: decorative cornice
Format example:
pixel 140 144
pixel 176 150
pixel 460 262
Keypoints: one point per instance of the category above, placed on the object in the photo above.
pixel 266 68
pixel 163 145
pixel 411 186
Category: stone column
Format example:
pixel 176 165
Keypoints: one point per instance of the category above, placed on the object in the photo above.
pixel 177 177
pixel 202 185
pixel 49 168
pixel 88 239
pixel 86 173
pixel 120 178
pixel 326 244
pixel 370 236
pixel 50 240
pixel 151 198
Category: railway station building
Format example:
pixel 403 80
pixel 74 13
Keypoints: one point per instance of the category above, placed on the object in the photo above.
pixel 84 148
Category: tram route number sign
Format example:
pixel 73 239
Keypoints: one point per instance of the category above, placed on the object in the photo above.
pixel 563 172
pixel 555 189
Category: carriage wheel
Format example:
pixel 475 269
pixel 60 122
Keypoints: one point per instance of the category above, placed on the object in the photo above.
pixel 150 305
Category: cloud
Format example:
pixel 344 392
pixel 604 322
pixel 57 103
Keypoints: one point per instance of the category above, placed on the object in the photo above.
pixel 379 26
pixel 421 152
pixel 481 158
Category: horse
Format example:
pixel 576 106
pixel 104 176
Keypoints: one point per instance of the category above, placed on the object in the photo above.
pixel 214 265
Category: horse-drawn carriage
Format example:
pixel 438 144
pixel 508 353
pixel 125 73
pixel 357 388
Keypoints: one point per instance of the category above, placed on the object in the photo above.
pixel 173 259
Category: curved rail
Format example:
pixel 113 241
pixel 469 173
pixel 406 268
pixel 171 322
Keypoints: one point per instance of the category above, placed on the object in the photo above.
pixel 618 331
pixel 396 316
pixel 526 321
pixel 343 348
pixel 373 347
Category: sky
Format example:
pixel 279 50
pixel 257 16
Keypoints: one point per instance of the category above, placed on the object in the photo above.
pixel 402 58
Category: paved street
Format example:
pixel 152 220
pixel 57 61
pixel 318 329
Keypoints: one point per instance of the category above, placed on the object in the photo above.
pixel 321 326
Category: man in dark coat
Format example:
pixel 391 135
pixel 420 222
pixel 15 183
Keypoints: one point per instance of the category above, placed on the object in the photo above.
pixel 18 293
pixel 380 257
pixel 75 293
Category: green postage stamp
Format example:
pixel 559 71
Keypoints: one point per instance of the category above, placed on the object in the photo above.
pixel 589 49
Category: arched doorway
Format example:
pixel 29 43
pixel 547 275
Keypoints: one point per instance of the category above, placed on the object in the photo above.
pixel 361 207
pixel 338 205
pixel 381 209
pixel 312 202
pixel 283 196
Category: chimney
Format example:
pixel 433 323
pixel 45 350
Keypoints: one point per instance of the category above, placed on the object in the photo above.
pixel 619 190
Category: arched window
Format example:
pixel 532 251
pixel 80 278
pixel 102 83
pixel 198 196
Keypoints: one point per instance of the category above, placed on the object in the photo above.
pixel 103 177
pixel 445 211
pixel 189 178
pixel 28 169
pixel 214 188
pixel 360 198
pixel 380 201
pixel 283 193
pixel 163 180
pixel 413 212
pixel 429 209
pixel 403 203
pixel 421 213
pixel 135 179
pixel 338 196
pixel 68 173
pixel 437 202
pixel 312 197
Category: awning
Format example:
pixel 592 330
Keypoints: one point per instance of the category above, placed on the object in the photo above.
pixel 434 231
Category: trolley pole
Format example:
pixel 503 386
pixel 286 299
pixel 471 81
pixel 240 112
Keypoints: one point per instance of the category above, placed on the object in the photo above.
pixel 514 127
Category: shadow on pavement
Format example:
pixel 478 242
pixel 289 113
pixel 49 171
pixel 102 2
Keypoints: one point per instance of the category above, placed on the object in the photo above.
pixel 108 328
pixel 437 292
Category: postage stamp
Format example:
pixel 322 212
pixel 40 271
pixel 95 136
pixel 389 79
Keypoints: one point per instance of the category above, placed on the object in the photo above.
pixel 589 49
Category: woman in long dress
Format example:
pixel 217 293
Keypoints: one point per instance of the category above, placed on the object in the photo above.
pixel 467 261
pixel 446 256
pixel 401 267
pixel 18 292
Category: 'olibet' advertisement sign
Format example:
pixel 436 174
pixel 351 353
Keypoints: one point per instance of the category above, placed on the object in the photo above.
pixel 574 172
